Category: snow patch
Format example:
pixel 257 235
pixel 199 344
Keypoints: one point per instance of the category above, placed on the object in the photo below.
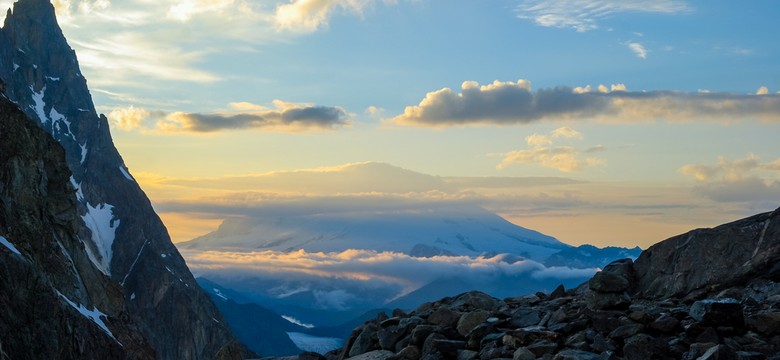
pixel 16 67
pixel 316 344
pixel 83 152
pixel 297 322
pixel 39 104
pixel 94 315
pixel 132 296
pixel 77 186
pixel 58 119
pixel 53 78
pixel 35 67
pixel 219 293
pixel 10 246
pixel 125 173
pixel 100 220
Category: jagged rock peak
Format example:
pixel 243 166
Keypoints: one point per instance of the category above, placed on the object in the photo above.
pixel 122 235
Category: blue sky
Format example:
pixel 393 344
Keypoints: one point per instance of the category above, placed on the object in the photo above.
pixel 684 128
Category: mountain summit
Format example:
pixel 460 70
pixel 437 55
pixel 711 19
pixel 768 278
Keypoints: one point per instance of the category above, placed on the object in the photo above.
pixel 120 232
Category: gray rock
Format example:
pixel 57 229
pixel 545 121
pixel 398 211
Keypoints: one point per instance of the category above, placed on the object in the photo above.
pixel 766 323
pixel 542 347
pixel 470 320
pixel 608 282
pixel 467 355
pixel 644 347
pixel 718 312
pixel 374 355
pixel 421 332
pixel 604 301
pixel 570 354
pixel 410 352
pixel 475 300
pixel 665 324
pixel 366 341
pixel 523 317
pixel 444 317
pixel 719 352
pixel 523 354
pixel 626 331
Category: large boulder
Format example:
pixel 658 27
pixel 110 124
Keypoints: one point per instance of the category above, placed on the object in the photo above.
pixel 710 258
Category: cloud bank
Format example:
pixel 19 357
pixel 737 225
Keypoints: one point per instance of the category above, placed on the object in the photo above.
pixel 512 103
pixel 583 15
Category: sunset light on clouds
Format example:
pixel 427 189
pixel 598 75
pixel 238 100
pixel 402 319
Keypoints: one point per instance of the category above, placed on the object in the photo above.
pixel 603 122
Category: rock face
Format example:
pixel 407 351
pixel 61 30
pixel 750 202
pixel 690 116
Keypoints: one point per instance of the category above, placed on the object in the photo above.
pixel 677 301
pixel 718 258
pixel 55 303
pixel 122 235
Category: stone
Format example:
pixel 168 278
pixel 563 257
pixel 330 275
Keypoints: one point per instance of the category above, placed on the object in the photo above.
pixel 448 348
pixel 644 347
pixel 428 346
pixel 605 301
pixel 542 347
pixel 444 317
pixel 389 336
pixel 608 282
pixel 626 331
pixel 523 317
pixel 570 354
pixel 766 323
pixel 475 300
pixel 718 312
pixel 421 332
pixel 719 352
pixel 467 355
pixel 470 320
pixel 559 292
pixel 665 324
pixel 641 317
pixel 374 355
pixel 474 338
pixel 523 354
pixel 366 341
pixel 408 353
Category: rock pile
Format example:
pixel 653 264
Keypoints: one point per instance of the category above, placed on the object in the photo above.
pixel 598 320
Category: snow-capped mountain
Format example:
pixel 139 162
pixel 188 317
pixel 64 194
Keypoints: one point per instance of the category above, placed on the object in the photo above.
pixel 416 230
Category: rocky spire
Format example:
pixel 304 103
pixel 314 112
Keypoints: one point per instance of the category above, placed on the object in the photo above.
pixel 122 234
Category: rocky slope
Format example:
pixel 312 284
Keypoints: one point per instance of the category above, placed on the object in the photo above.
pixel 122 235
pixel 708 294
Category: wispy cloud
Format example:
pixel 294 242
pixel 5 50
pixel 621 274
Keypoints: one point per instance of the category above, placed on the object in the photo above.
pixel 638 49
pixel 542 152
pixel 583 15
pixel 511 103
pixel 312 15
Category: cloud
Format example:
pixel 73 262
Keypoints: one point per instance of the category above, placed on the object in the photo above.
pixel 638 49
pixel 128 118
pixel 762 91
pixel 312 15
pixel 185 10
pixel 561 158
pixel 510 103
pixel 746 180
pixel 583 15
pixel 290 117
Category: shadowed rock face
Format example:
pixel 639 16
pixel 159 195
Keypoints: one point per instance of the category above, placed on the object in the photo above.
pixel 46 276
pixel 719 257
pixel 120 231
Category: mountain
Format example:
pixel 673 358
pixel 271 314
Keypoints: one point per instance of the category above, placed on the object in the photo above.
pixel 589 256
pixel 120 233
pixel 419 230
pixel 707 294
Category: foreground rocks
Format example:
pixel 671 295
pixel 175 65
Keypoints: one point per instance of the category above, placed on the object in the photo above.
pixel 678 301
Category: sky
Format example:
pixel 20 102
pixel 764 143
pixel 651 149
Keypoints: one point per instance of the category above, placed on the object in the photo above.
pixel 594 121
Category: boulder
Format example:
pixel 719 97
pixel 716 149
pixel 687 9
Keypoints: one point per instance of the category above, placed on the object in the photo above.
pixel 470 320
pixel 718 312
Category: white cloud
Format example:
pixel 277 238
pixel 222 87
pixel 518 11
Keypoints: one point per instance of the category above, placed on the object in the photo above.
pixel 583 15
pixel 561 158
pixel 638 49
pixel 506 103
pixel 129 118
pixel 762 91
